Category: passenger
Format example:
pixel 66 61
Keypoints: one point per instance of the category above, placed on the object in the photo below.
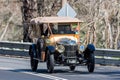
pixel 54 29
pixel 75 31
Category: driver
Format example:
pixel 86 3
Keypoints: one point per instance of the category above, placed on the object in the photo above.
pixel 68 30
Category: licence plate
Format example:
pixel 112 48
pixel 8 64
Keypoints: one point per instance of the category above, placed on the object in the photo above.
pixel 72 61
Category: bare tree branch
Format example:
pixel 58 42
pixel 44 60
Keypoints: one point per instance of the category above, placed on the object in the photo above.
pixel 5 30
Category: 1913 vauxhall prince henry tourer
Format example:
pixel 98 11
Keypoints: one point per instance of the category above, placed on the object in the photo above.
pixel 58 43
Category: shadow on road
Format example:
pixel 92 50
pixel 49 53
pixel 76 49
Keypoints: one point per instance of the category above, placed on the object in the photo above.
pixel 68 72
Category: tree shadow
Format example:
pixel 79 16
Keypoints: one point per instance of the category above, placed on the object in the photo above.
pixel 56 71
pixel 114 74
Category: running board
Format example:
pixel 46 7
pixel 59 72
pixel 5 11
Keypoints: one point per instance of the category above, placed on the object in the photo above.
pixel 38 60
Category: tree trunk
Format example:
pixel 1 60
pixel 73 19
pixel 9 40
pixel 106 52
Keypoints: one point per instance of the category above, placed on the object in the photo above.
pixel 118 29
pixel 4 32
pixel 110 38
pixel 29 9
pixel 94 34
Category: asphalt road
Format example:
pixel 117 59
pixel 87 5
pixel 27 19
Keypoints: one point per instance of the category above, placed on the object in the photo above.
pixel 19 69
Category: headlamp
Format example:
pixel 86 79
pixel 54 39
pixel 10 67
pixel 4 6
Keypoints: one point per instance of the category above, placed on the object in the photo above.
pixel 60 48
pixel 48 41
pixel 81 48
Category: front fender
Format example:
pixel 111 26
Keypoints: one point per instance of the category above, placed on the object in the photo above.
pixel 89 50
pixel 51 49
pixel 91 47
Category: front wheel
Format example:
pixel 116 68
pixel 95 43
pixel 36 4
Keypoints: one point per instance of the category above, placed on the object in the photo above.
pixel 50 62
pixel 33 62
pixel 91 63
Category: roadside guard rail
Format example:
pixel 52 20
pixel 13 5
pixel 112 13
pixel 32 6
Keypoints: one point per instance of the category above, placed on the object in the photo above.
pixel 107 57
pixel 14 48
pixel 103 56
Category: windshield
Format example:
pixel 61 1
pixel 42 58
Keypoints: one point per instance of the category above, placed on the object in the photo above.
pixel 63 29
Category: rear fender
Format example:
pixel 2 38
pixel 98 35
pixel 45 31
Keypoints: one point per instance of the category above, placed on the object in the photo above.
pixel 33 48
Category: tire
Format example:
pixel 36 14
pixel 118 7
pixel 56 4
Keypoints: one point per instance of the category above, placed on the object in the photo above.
pixel 91 62
pixel 50 62
pixel 72 68
pixel 33 62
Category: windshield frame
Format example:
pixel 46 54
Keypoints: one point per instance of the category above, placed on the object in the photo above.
pixel 66 28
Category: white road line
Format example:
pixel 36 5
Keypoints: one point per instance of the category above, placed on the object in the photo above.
pixel 37 74
pixel 4 68
pixel 45 76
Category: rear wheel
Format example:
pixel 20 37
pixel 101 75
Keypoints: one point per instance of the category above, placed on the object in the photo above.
pixel 50 62
pixel 72 68
pixel 91 63
pixel 40 44
pixel 33 62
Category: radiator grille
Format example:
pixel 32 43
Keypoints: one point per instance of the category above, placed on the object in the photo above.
pixel 70 50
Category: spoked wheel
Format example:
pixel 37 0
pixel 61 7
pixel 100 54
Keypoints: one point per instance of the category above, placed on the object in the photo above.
pixel 72 68
pixel 50 62
pixel 33 62
pixel 91 63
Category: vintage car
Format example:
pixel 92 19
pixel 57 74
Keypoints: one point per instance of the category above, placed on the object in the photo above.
pixel 58 44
